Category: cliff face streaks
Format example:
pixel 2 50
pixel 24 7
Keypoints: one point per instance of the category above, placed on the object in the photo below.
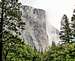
pixel 35 27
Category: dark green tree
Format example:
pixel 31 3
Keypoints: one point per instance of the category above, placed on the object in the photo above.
pixel 10 19
pixel 73 24
pixel 65 33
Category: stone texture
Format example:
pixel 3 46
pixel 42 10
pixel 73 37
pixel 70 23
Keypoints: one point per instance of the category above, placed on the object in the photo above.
pixel 35 27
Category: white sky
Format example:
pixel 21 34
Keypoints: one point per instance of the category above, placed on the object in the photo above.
pixel 54 8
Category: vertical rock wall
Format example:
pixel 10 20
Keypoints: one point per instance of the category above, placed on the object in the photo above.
pixel 35 27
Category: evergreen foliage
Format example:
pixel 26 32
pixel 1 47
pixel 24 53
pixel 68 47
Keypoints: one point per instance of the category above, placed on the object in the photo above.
pixel 64 52
pixel 10 19
pixel 65 33
pixel 73 25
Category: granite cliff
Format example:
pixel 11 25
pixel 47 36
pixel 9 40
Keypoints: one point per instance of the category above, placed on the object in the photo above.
pixel 38 32
pixel 35 27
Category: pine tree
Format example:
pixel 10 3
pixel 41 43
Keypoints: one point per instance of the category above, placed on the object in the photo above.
pixel 65 33
pixel 73 24
pixel 10 19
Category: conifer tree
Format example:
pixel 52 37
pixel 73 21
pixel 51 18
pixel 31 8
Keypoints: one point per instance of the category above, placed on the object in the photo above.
pixel 65 33
pixel 10 19
pixel 73 24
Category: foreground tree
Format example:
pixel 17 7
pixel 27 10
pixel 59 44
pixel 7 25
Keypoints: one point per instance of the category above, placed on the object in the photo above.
pixel 65 33
pixel 73 25
pixel 10 19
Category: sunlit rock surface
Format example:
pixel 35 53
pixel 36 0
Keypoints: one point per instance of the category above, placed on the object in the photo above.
pixel 35 27
pixel 38 32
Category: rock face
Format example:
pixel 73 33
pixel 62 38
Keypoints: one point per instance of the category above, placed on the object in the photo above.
pixel 35 27
pixel 53 34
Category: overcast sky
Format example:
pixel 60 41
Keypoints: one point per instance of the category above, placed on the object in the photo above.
pixel 54 8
